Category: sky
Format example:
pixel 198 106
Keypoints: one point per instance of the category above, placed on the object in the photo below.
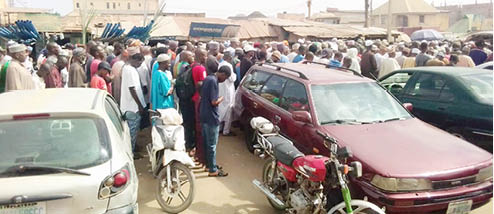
pixel 225 8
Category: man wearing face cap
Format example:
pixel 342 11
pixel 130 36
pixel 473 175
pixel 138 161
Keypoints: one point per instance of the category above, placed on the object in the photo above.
pixel 17 77
pixel 77 75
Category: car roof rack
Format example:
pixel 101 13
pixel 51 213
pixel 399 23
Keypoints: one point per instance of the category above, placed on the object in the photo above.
pixel 339 68
pixel 279 67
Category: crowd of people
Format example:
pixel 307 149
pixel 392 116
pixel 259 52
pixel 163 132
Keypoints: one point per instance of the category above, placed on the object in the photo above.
pixel 200 79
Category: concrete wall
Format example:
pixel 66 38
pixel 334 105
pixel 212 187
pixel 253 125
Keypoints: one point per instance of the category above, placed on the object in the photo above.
pixel 458 11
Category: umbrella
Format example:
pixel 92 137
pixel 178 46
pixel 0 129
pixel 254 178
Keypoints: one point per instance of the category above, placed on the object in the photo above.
pixel 427 34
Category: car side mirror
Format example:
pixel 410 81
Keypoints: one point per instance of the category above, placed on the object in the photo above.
pixel 344 152
pixel 408 106
pixel 302 116
pixel 124 116
pixel 356 169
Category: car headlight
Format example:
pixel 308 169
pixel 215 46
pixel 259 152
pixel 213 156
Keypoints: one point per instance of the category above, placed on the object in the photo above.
pixel 401 184
pixel 484 174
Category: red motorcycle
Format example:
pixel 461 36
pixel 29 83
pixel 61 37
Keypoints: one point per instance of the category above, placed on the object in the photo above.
pixel 303 184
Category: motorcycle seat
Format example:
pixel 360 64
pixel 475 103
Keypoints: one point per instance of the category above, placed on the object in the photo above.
pixel 284 151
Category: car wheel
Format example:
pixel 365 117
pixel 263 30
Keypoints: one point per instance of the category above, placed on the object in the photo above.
pixel 250 138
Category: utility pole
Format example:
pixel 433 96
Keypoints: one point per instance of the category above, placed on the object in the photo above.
pixel 145 12
pixel 309 4
pixel 390 20
pixel 366 13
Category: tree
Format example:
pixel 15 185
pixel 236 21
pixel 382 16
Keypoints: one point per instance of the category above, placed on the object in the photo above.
pixel 87 17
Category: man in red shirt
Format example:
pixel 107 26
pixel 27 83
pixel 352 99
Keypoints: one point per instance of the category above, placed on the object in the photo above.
pixel 97 80
pixel 54 78
pixel 199 74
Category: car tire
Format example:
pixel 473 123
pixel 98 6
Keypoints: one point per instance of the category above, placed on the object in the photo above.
pixel 250 138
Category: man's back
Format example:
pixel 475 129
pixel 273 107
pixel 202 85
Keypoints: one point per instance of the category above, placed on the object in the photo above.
pixel 478 56
pixel 209 93
pixel 245 65
pixel 422 59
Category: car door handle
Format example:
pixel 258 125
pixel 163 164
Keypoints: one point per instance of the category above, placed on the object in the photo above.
pixel 277 119
pixel 441 108
pixel 254 105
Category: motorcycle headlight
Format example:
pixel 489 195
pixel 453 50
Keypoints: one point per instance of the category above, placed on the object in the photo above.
pixel 484 174
pixel 401 184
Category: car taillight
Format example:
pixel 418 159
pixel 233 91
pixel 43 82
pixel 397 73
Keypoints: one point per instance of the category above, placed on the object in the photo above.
pixel 30 116
pixel 114 184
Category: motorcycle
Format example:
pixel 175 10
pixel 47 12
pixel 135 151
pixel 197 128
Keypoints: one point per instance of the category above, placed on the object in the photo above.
pixel 170 162
pixel 303 184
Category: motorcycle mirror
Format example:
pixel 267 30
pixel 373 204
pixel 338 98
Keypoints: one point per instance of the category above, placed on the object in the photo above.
pixel 356 169
pixel 344 153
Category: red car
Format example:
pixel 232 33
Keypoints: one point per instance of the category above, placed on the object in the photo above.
pixel 409 166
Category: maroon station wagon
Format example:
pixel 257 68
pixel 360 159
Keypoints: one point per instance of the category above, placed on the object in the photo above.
pixel 409 165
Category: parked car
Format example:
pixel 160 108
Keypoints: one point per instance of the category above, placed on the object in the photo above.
pixel 458 100
pixel 487 65
pixel 409 165
pixel 65 151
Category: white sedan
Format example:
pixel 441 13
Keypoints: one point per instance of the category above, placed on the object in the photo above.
pixel 65 151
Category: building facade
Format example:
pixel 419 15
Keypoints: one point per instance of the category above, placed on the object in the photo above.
pixel 410 15
pixel 117 6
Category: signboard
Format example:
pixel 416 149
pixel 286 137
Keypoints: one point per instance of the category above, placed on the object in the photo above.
pixel 213 30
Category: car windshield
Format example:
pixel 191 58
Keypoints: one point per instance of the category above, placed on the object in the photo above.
pixel 54 142
pixel 480 85
pixel 355 103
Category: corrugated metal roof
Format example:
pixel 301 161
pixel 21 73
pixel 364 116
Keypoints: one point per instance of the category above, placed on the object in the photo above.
pixel 405 6
pixel 253 29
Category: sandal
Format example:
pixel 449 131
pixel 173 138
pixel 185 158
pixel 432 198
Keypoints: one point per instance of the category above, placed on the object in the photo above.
pixel 217 166
pixel 219 173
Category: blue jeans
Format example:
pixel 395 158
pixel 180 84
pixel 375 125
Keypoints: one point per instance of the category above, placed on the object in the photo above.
pixel 210 139
pixel 134 122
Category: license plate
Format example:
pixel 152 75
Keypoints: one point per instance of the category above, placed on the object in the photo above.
pixel 35 208
pixel 459 207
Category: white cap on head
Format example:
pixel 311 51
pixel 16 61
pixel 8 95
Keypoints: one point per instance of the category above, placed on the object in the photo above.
pixel 415 51
pixel 248 48
pixel 368 43
pixel 133 50
pixel 64 53
pixel 16 48
pixel 162 58
pixel 161 45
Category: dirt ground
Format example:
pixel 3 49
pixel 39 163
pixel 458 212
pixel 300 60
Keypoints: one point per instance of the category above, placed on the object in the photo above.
pixel 234 194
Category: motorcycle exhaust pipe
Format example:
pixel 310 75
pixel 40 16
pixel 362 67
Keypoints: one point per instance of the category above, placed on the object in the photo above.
pixel 268 193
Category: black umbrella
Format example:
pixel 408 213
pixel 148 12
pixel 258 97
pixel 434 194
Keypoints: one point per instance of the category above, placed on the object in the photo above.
pixel 426 34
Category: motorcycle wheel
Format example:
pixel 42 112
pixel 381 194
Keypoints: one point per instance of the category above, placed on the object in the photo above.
pixel 267 172
pixel 359 207
pixel 175 201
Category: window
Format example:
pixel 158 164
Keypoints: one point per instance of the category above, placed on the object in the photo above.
pixel 91 4
pixel 427 86
pixel 273 88
pixel 354 103
pixel 255 80
pixel 114 115
pixel 294 97
pixel 77 5
pixel 396 82
pixel 403 20
pixel 139 4
pixel 114 5
pixel 128 5
pixel 74 143
pixel 383 20
pixel 422 19
pixel 107 5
